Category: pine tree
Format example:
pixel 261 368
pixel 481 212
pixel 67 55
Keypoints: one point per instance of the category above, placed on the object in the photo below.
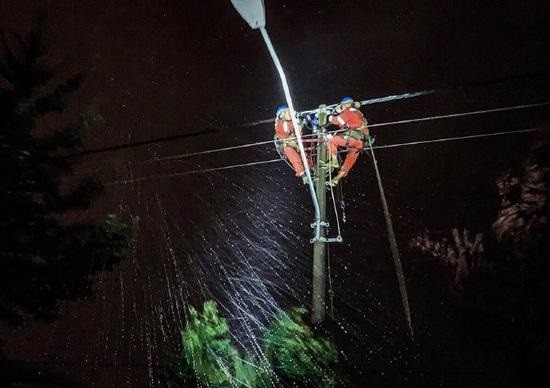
pixel 43 259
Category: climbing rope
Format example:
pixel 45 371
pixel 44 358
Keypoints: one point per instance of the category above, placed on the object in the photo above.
pixel 342 201
pixel 339 237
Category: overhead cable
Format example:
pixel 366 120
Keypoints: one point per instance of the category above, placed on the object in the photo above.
pixel 260 162
pixel 388 123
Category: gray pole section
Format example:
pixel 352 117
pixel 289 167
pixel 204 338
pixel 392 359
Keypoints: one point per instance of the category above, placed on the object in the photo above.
pixel 393 244
pixel 319 247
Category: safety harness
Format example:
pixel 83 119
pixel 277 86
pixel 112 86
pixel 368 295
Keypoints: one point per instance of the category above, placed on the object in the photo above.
pixel 356 133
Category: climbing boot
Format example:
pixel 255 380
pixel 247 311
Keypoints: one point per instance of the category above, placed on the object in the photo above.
pixel 332 164
pixel 333 182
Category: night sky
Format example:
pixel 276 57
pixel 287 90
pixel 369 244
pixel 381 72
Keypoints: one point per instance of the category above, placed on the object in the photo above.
pixel 167 69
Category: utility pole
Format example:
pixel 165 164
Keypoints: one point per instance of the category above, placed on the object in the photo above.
pixel 253 12
pixel 320 245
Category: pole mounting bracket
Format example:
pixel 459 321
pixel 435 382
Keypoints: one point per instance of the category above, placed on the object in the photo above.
pixel 321 223
pixel 337 239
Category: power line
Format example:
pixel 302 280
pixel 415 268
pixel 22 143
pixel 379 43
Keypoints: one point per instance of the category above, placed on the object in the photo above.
pixel 395 145
pixel 176 174
pixel 190 154
pixel 370 101
pixel 407 121
pixel 213 130
pixel 494 81
pixel 452 115
pixel 373 100
pixel 457 138
pixel 141 143
pixel 529 75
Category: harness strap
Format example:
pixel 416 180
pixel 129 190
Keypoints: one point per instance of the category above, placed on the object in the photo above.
pixel 347 137
pixel 349 134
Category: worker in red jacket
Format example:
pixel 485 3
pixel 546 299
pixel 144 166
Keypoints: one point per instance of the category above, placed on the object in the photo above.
pixel 284 131
pixel 352 136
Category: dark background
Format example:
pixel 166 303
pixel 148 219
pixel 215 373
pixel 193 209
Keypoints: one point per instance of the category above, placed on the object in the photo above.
pixel 159 69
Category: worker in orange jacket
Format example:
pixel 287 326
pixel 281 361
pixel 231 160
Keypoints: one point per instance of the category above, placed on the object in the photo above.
pixel 352 136
pixel 284 131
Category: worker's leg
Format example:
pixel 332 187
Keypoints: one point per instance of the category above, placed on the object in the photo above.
pixel 333 144
pixel 309 146
pixel 354 149
pixel 294 158
pixel 310 161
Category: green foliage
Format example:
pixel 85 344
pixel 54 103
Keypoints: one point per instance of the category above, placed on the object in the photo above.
pixel 207 347
pixel 296 353
pixel 293 354
pixel 44 260
pixel 210 355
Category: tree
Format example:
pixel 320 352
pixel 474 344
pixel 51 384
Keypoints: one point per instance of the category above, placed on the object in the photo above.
pixel 292 354
pixel 461 255
pixel 522 230
pixel 44 259
pixel 295 352
pixel 504 287
pixel 208 356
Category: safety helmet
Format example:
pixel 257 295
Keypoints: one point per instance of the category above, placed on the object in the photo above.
pixel 346 100
pixel 280 109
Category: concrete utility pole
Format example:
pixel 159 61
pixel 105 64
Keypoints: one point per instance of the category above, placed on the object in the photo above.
pixel 320 245
pixel 253 12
